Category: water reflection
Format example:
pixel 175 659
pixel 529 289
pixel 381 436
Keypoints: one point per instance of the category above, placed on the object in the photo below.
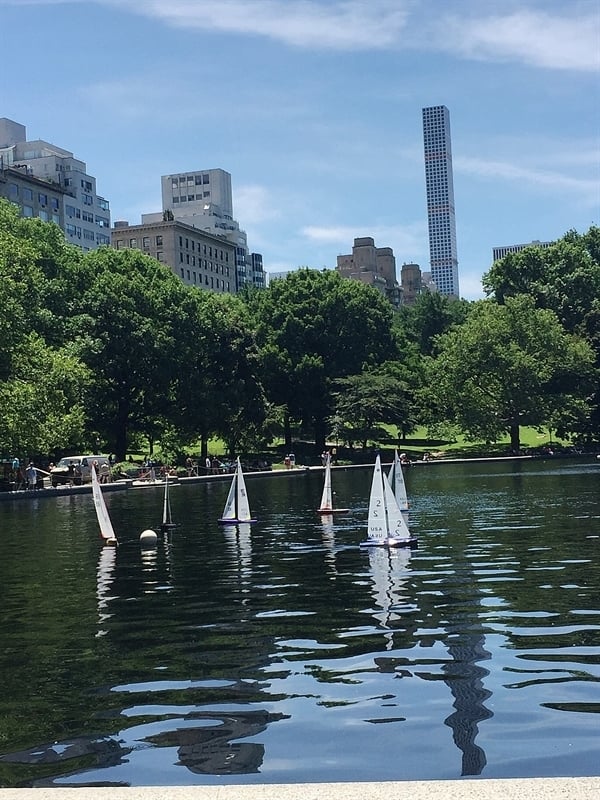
pixel 105 578
pixel 285 653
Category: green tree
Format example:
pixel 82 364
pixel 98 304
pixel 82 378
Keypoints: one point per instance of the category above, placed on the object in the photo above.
pixel 506 366
pixel 431 315
pixel 131 343
pixel 218 389
pixel 565 278
pixel 363 402
pixel 312 328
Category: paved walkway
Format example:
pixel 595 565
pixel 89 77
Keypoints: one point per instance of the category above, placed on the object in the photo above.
pixel 517 789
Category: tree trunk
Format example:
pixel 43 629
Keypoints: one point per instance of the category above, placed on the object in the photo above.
pixel 320 435
pixel 287 431
pixel 515 439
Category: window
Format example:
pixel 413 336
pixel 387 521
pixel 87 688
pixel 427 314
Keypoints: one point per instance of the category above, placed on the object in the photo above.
pixel 133 243
pixel 119 244
pixel 205 179
pixel 56 219
pixel 159 241
pixel 43 215
pixel 43 199
pixel 70 229
pixel 206 194
pixel 88 200
pixel 182 275
pixel 103 204
pixel 89 235
pixel 146 242
pixel 160 256
pixel 54 203
pixel 87 216
pixel 13 190
pixel 27 211
pixel 27 194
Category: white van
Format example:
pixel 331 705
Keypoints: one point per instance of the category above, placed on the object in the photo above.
pixel 75 469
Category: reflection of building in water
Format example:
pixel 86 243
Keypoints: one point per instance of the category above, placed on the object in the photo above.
pixel 210 750
pixel 465 682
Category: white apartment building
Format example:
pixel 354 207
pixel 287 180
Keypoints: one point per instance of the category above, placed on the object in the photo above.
pixel 500 252
pixel 71 201
pixel 439 186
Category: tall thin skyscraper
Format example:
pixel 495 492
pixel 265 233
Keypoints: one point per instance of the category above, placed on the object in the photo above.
pixel 440 199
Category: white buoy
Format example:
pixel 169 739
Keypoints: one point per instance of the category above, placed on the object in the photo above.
pixel 148 538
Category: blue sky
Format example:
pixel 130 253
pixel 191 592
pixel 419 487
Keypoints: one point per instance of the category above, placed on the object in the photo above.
pixel 314 107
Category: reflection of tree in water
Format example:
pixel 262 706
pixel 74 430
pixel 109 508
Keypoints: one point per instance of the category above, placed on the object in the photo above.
pixel 210 750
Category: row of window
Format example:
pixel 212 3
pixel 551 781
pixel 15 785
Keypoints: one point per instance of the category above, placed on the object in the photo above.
pixel 206 249
pixel 88 235
pixel 214 283
pixel 189 197
pixel 42 214
pixel 203 262
pixel 190 180
pixel 28 195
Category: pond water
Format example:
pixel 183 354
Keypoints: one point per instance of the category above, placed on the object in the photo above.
pixel 284 653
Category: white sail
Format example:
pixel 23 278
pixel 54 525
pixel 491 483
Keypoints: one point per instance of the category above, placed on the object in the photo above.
pixel 326 497
pixel 106 529
pixel 396 478
pixel 166 518
pixel 396 526
pixel 377 523
pixel 237 507
pixel 229 510
pixel 243 506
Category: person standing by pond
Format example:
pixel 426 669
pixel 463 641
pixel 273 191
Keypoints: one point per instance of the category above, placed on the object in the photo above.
pixel 31 474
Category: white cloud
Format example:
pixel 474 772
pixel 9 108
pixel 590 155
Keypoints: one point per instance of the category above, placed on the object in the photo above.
pixel 563 39
pixel 339 25
pixel 539 39
pixel 538 178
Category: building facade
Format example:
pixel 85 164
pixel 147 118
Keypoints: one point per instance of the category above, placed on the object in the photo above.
pixel 375 266
pixel 500 252
pixel 439 184
pixel 197 257
pixel 204 199
pixel 70 199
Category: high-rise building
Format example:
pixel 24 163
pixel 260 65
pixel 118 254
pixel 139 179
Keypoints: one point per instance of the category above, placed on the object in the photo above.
pixel 439 185
pixel 375 266
pixel 46 181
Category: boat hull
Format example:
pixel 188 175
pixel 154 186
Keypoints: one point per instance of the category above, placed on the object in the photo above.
pixel 390 542
pixel 332 510
pixel 235 521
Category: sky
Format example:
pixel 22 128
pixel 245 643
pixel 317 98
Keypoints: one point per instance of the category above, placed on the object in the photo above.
pixel 314 108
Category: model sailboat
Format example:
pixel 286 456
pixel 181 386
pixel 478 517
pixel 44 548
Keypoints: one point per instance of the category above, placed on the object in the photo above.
pixel 167 523
pixel 107 533
pixel 396 479
pixel 237 507
pixel 386 525
pixel 327 496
